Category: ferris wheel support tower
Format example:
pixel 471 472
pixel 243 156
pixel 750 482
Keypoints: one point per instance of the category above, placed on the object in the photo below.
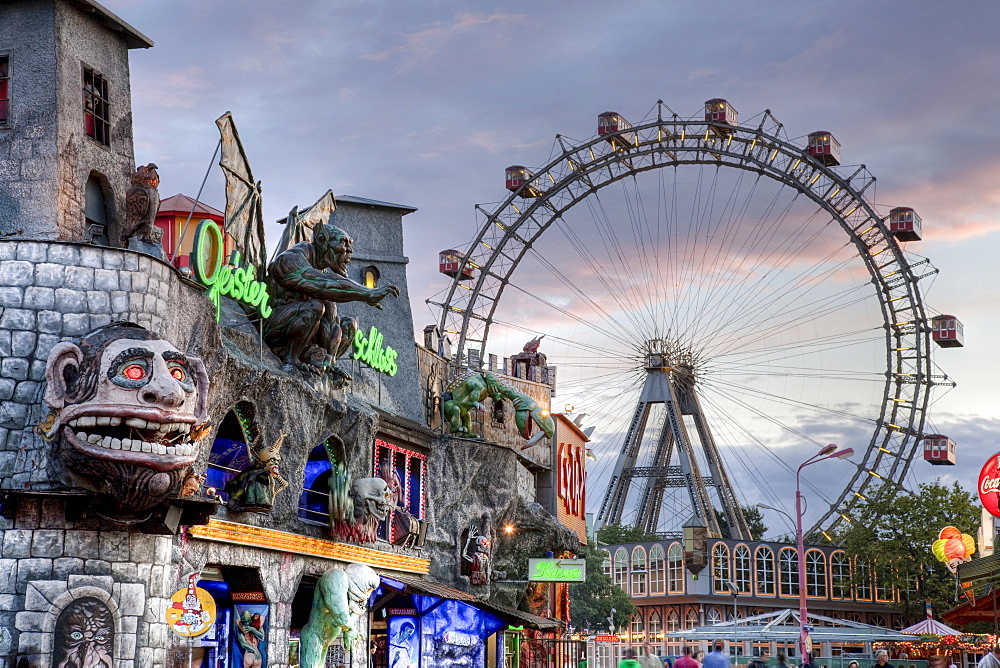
pixel 671 382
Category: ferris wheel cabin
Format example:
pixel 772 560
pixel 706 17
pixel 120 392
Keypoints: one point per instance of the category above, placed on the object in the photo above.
pixel 904 224
pixel 450 264
pixel 610 124
pixel 947 331
pixel 718 110
pixel 939 450
pixel 522 181
pixel 824 147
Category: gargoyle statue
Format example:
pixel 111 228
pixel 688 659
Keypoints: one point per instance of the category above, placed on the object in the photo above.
pixel 254 488
pixel 468 392
pixel 307 282
pixel 357 507
pixel 341 597
pixel 125 414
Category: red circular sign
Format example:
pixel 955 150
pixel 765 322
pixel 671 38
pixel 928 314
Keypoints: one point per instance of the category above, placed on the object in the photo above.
pixel 989 485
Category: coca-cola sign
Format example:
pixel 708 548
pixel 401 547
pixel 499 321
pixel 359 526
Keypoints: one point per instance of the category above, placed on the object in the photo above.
pixel 989 485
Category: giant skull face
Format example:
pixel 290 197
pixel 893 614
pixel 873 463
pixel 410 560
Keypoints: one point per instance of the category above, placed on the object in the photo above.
pixel 372 498
pixel 126 405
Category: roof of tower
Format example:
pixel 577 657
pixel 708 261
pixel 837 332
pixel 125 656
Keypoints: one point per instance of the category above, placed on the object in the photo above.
pixel 133 38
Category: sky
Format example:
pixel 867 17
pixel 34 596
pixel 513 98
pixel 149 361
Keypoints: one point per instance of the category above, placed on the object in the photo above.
pixel 425 104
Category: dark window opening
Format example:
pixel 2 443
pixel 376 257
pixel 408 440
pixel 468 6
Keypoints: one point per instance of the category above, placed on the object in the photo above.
pixel 96 115
pixel 403 470
pixel 4 89
pixel 231 449
pixel 314 504
pixel 95 212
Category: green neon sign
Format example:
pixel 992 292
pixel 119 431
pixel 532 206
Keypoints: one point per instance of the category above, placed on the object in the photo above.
pixel 557 570
pixel 370 351
pixel 225 280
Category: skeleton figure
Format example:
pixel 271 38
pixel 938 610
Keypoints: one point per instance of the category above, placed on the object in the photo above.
pixel 84 635
pixel 142 201
pixel 125 407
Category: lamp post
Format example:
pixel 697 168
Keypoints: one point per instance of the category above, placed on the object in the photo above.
pixel 826 452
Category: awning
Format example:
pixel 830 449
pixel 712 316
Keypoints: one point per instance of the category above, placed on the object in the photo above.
pixel 783 625
pixel 930 626
pixel 509 615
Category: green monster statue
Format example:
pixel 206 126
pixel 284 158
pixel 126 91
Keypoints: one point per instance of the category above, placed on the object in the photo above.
pixel 341 597
pixel 469 391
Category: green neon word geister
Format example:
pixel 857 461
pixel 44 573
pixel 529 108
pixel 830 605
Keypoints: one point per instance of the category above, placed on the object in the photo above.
pixel 229 280
pixel 370 351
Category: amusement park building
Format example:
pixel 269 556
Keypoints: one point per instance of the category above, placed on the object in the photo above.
pixel 134 455
pixel 765 577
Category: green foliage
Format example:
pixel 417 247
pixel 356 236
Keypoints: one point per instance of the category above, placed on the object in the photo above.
pixel 754 518
pixel 899 529
pixel 615 534
pixel 591 601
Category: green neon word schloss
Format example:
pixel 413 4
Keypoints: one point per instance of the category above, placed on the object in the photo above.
pixel 370 351
pixel 229 280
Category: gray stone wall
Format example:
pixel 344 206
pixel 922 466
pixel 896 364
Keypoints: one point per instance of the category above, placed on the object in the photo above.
pixel 47 561
pixel 28 142
pixel 378 241
pixel 45 155
pixel 52 292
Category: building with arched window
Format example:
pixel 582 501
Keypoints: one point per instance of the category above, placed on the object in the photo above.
pixel 765 577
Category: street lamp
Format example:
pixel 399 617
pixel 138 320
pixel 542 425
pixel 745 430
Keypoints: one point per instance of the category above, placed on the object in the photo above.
pixel 826 452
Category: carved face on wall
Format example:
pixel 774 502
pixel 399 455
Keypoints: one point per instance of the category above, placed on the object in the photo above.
pixel 84 635
pixel 126 407
pixel 372 497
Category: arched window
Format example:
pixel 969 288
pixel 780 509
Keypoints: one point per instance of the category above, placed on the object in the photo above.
pixel 314 504
pixel 96 212
pixel 862 582
pixel 720 568
pixel 657 570
pixel 691 619
pixel 877 620
pixel 856 617
pixel 815 574
pixel 230 452
pixel 370 276
pixel 655 627
pixel 788 571
pixel 713 616
pixel 606 564
pixel 840 575
pixel 764 572
pixel 621 568
pixel 673 622
pixel 675 569
pixel 639 571
pixel 741 568
pixel 638 628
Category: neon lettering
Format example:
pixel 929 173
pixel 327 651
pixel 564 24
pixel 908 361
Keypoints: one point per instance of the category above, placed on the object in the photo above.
pixel 231 280
pixel 370 351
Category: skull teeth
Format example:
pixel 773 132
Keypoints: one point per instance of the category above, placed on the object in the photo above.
pixel 136 445
pixel 137 423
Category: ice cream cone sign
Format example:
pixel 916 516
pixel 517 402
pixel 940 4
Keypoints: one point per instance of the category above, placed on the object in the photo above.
pixel 953 548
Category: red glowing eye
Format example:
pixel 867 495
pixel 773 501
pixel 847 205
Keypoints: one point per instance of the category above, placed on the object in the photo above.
pixel 178 373
pixel 134 372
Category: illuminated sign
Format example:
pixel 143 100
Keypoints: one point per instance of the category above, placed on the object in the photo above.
pixel 989 485
pixel 229 280
pixel 571 478
pixel 370 351
pixel 557 570
pixel 607 639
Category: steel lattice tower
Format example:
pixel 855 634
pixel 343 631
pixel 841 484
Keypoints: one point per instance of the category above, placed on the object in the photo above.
pixel 670 380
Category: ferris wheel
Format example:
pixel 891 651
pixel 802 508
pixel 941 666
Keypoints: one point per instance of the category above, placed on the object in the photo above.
pixel 756 264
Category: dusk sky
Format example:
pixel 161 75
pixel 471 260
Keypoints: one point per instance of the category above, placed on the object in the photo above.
pixel 425 104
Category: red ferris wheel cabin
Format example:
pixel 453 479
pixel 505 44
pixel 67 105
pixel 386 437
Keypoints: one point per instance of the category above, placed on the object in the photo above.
pixel 939 450
pixel 905 224
pixel 450 264
pixel 824 147
pixel 947 331
pixel 610 124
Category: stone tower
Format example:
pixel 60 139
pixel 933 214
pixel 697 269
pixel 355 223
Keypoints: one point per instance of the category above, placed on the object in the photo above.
pixel 65 120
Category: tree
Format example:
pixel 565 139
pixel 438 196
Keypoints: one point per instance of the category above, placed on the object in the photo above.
pixel 616 534
pixel 754 518
pixel 590 602
pixel 896 532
